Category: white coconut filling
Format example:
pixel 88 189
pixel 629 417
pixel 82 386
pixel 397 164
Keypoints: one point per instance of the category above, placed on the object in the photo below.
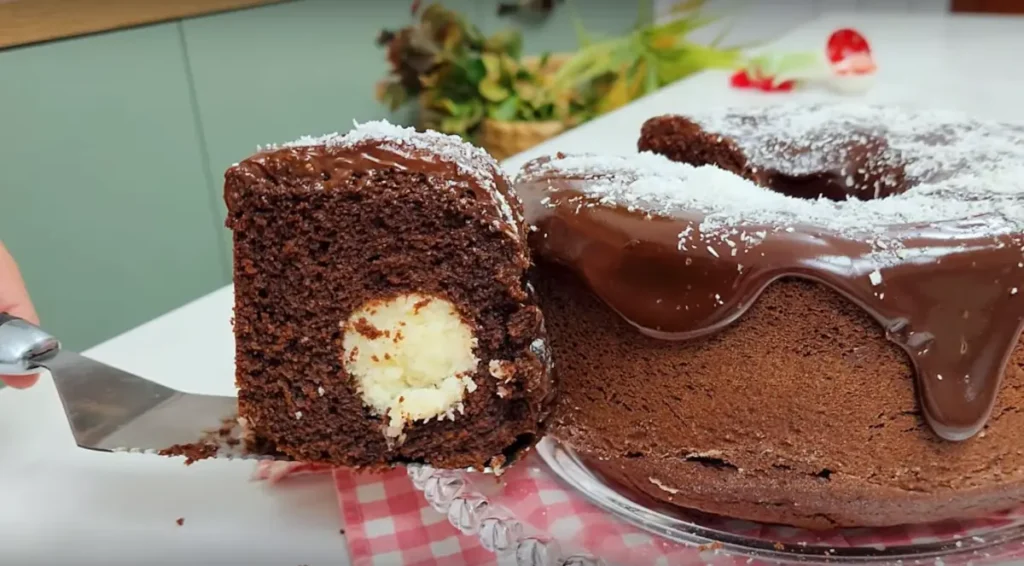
pixel 412 357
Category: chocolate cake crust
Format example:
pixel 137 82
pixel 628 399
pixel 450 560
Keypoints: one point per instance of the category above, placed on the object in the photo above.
pixel 801 413
pixel 325 227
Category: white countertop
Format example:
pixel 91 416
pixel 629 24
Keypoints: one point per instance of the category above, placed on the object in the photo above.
pixel 60 504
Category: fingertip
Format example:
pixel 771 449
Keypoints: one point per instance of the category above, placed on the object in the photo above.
pixel 19 381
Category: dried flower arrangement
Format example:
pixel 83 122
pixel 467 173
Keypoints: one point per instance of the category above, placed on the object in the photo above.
pixel 484 88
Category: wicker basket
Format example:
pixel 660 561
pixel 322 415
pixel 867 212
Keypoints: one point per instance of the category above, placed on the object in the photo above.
pixel 505 139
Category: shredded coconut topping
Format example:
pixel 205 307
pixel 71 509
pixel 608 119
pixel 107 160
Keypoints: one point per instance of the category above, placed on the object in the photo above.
pixel 958 171
pixel 467 158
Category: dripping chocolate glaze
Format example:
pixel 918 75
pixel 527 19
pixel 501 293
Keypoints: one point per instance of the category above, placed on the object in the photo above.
pixel 945 290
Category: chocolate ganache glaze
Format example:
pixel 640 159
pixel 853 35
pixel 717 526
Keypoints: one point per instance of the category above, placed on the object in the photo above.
pixel 379 145
pixel 916 217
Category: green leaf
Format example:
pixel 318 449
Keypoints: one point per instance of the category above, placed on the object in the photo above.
pixel 509 66
pixel 651 82
pixel 449 106
pixel 544 112
pixel 474 70
pixel 508 41
pixel 453 125
pixel 684 6
pixel 794 62
pixel 392 94
pixel 492 91
pixel 644 13
pixel 544 58
pixel 476 112
pixel 583 37
pixel 682 26
pixel 506 110
pixel 723 33
pixel 470 115
pixel 492 66
pixel 710 57
pixel 687 59
pixel 591 62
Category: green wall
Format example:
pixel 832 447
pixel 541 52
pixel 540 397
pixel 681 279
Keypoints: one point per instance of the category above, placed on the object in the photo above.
pixel 113 146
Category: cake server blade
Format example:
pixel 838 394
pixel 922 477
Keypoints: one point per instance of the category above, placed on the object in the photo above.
pixel 111 410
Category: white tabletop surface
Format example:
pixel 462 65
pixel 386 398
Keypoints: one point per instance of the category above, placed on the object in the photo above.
pixel 63 505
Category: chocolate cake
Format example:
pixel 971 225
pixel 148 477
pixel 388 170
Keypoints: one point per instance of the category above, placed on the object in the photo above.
pixel 382 311
pixel 805 315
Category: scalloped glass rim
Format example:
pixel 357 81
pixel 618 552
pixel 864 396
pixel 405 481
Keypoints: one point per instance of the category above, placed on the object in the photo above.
pixel 463 497
pixel 471 503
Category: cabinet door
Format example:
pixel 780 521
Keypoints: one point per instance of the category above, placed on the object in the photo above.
pixel 275 73
pixel 103 197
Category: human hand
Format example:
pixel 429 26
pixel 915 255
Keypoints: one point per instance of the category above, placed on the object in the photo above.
pixel 14 301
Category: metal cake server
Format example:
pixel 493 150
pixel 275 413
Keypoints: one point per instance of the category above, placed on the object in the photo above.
pixel 111 410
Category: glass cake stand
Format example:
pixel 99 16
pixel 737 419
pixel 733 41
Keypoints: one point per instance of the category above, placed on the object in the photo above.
pixel 551 510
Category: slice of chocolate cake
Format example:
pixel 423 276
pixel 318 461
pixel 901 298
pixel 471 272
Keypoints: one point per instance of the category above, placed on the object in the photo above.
pixel 382 311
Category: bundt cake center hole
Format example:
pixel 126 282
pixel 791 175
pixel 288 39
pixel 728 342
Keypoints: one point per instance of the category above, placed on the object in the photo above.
pixel 829 186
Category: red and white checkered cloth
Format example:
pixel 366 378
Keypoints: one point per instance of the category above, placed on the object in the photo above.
pixel 390 522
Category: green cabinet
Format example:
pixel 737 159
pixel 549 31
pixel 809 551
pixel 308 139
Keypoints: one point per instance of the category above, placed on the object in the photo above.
pixel 273 74
pixel 103 198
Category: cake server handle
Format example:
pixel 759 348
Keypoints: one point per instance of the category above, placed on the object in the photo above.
pixel 24 347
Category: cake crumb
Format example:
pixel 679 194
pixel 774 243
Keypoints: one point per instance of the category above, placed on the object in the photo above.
pixel 712 546
pixel 192 452
pixel 180 521
pixel 226 427
pixel 497 465
pixel 663 487
pixel 779 546
pixel 367 330
pixel 420 304
pixel 501 370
